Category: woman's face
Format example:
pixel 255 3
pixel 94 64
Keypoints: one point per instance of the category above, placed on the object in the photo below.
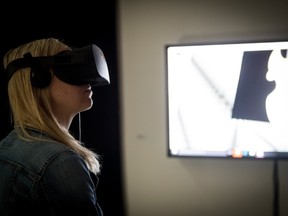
pixel 68 100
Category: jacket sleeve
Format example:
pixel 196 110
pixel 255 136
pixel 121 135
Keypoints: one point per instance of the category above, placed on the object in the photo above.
pixel 69 187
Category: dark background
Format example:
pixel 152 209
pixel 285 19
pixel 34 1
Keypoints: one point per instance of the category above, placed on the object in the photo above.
pixel 77 24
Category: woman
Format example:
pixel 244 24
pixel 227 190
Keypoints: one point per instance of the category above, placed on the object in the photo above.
pixel 44 169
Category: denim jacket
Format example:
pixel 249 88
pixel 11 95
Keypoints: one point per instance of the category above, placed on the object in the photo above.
pixel 44 178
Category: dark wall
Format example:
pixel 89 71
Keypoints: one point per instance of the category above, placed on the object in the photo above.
pixel 78 25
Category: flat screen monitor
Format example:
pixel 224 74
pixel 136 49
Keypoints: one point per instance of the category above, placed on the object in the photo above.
pixel 227 100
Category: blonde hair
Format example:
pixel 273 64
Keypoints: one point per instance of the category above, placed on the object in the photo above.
pixel 31 107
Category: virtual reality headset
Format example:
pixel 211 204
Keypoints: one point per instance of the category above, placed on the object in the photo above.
pixel 86 65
